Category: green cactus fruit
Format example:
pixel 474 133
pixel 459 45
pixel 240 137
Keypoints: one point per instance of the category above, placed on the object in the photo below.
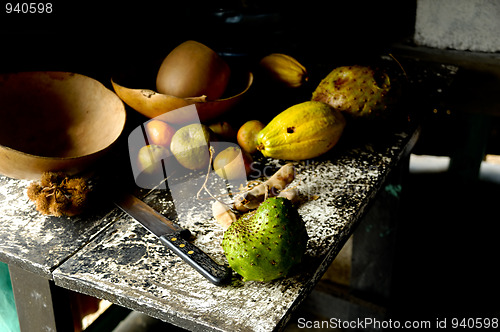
pixel 356 90
pixel 266 243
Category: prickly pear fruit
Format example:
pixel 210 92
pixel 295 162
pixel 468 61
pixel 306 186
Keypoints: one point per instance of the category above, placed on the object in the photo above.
pixel 357 90
pixel 303 131
pixel 284 69
pixel 266 243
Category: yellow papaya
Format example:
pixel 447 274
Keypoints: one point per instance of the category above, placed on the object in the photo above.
pixel 284 69
pixel 303 131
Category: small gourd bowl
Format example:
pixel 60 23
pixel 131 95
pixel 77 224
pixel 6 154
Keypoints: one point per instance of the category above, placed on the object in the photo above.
pixel 152 104
pixel 55 121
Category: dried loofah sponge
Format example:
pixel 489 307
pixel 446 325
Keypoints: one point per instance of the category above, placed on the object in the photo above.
pixel 59 195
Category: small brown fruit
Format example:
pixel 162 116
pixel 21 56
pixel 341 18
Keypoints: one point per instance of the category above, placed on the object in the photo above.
pixel 159 132
pixel 224 130
pixel 150 156
pixel 232 164
pixel 190 146
pixel 247 135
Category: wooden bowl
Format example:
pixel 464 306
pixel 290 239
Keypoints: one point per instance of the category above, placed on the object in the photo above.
pixel 152 104
pixel 55 121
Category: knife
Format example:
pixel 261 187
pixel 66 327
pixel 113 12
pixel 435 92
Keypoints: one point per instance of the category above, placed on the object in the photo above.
pixel 175 238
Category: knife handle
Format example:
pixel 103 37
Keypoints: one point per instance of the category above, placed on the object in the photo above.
pixel 199 260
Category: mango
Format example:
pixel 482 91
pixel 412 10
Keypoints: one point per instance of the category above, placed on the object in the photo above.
pixel 302 131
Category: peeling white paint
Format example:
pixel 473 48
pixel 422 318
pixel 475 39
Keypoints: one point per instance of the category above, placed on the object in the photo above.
pixel 127 265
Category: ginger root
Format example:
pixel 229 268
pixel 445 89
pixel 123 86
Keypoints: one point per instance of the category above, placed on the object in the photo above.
pixel 59 195
pixel 271 187
pixel 223 214
pixel 292 194
pixel 274 186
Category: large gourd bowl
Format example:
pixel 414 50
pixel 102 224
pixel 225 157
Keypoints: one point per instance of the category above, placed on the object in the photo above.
pixel 55 121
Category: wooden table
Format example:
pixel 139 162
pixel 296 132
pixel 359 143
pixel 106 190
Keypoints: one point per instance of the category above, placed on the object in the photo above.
pixel 108 255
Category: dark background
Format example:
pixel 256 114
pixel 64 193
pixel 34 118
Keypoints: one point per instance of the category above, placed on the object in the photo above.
pixel 99 38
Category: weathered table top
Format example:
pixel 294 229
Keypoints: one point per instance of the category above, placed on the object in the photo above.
pixel 109 255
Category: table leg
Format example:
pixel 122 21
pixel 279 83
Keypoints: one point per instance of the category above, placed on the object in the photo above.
pixel 41 306
pixel 465 162
pixel 374 241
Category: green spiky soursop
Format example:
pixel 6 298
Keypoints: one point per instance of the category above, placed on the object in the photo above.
pixel 266 243
pixel 356 90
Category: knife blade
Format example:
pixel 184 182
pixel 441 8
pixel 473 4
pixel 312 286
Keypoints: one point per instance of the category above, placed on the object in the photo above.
pixel 175 238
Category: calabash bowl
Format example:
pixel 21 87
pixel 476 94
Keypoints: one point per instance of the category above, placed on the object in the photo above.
pixel 152 104
pixel 55 121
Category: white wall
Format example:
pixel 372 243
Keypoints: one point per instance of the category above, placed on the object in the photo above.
pixel 472 25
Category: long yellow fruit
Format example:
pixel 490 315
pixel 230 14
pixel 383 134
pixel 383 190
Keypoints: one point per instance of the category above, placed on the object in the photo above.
pixel 284 69
pixel 303 131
